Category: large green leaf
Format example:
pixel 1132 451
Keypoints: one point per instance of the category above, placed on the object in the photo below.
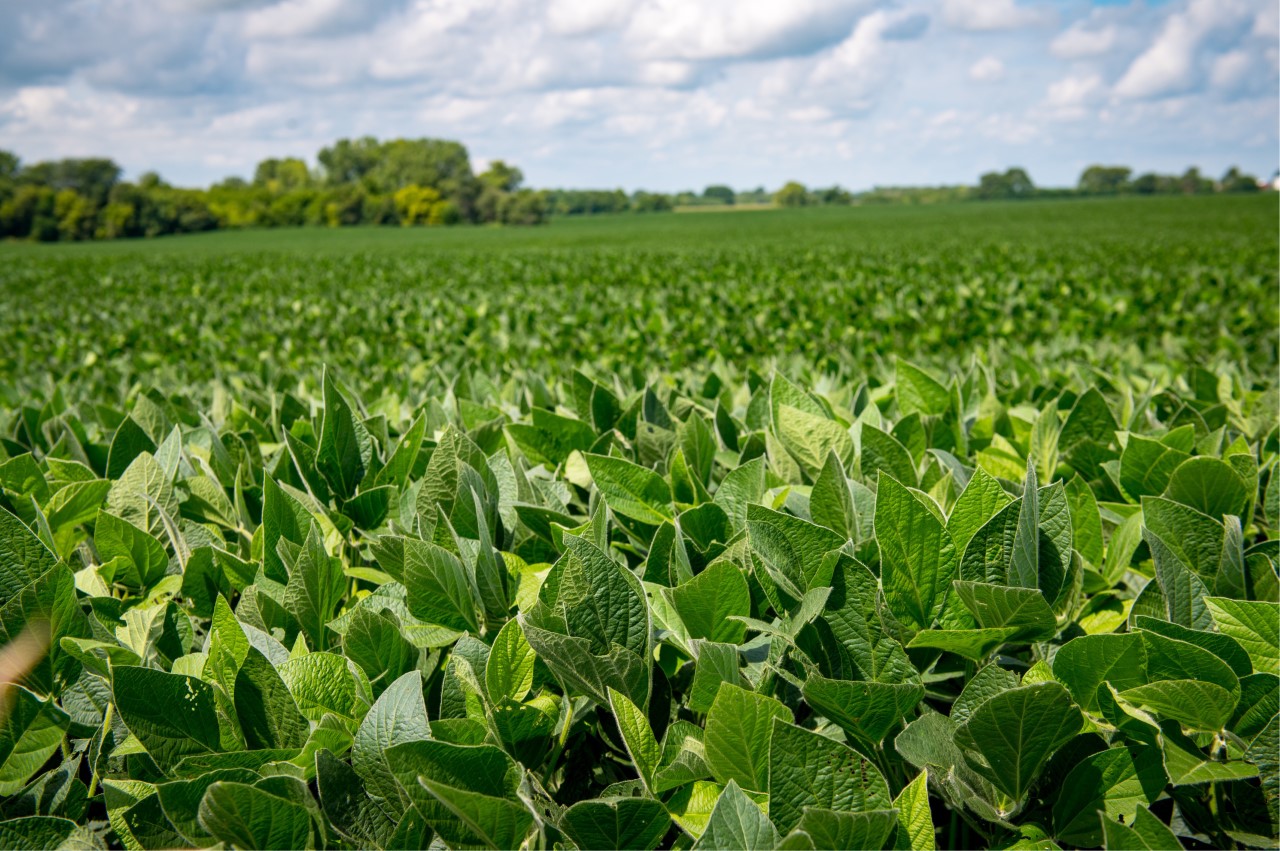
pixel 979 502
pixel 852 613
pixel 398 716
pixel 918 392
pixel 1010 737
pixel 244 816
pixel 31 730
pixel 637 736
pixel 811 438
pixel 631 490
pixel 138 559
pixel 440 591
pixel 1255 624
pixel 282 517
pixel 172 715
pixel 623 823
pixel 1146 833
pixel 509 671
pixel 325 682
pixel 1208 485
pixel 23 558
pixel 315 589
pixel 1115 782
pixel 708 601
pixel 375 642
pixel 739 727
pixel 809 770
pixel 865 710
pixel 918 559
pixel 833 829
pixel 267 712
pixel 790 550
pixel 737 824
pixel 345 449
pixel 996 606
pixel 915 821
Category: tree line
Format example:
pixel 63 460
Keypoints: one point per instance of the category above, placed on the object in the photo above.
pixel 1015 183
pixel 431 182
pixel 356 181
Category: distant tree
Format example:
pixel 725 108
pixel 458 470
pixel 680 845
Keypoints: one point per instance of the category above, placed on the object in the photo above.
pixel 1147 184
pixel 282 175
pixel 92 177
pixel 414 204
pixel 651 202
pixel 150 181
pixel 29 213
pixel 792 194
pixel 75 214
pixel 719 193
pixel 1011 183
pixel 349 160
pixel 576 202
pixel 10 165
pixel 1019 183
pixel 1194 183
pixel 503 177
pixel 836 196
pixel 1104 180
pixel 524 207
pixel 1236 181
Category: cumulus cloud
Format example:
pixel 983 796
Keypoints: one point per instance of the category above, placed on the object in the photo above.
pixel 735 29
pixel 1070 97
pixel 988 69
pixel 1175 62
pixel 1080 41
pixel 654 93
pixel 993 15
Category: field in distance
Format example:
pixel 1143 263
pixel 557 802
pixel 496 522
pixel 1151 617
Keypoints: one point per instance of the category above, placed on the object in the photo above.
pixel 1140 282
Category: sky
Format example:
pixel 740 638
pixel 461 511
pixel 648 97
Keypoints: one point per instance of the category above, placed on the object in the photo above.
pixel 655 94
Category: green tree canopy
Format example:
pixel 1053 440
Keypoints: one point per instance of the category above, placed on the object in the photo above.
pixel 793 194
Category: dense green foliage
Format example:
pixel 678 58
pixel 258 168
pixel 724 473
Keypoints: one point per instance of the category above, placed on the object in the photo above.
pixel 1143 284
pixel 412 182
pixel 361 181
pixel 903 529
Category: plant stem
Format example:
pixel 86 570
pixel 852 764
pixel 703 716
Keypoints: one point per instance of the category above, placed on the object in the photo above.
pixel 106 725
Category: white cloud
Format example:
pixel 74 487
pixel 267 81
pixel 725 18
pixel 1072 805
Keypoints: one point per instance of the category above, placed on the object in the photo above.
pixel 988 69
pixel 738 29
pixel 657 93
pixel 992 15
pixel 1071 94
pixel 1173 63
pixel 1079 42
pixel 576 17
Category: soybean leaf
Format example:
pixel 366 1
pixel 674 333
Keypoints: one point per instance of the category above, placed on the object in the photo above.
pixel 917 556
pixel 623 823
pixel 737 824
pixel 809 770
pixel 1011 736
pixel 247 817
pixel 637 736
pixel 172 715
pixel 739 727
pixel 1115 782
pixel 631 490
pixel 1255 624
pixel 915 821
pixel 398 716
